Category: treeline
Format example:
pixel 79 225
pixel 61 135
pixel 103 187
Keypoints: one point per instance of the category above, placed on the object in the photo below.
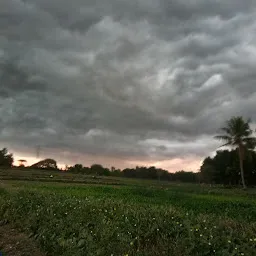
pixel 224 168
pixel 140 172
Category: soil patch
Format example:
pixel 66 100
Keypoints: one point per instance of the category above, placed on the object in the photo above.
pixel 16 243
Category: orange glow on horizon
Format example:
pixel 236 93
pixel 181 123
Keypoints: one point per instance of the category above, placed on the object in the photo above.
pixel 31 160
pixel 172 165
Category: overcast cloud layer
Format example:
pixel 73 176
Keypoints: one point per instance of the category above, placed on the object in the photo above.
pixel 124 82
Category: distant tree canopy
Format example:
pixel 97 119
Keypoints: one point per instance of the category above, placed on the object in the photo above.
pixel 95 169
pixel 6 158
pixel 144 172
pixel 183 176
pixel 78 168
pixel 224 168
pixel 48 163
pixel 140 172
pixel 22 162
pixel 98 169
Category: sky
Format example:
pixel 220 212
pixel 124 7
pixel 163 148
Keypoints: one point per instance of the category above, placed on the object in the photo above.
pixel 124 83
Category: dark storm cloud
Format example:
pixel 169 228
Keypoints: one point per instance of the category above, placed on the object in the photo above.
pixel 141 79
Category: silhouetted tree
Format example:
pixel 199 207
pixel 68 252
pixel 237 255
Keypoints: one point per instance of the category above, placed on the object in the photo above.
pixel 140 172
pixel 6 158
pixel 160 174
pixel 183 176
pixel 224 168
pixel 48 163
pixel 208 171
pixel 99 170
pixel 115 172
pixel 22 162
pixel 237 133
pixel 79 168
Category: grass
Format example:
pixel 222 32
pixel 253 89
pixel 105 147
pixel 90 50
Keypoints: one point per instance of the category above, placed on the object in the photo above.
pixel 132 217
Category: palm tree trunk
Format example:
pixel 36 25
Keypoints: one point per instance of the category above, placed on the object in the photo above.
pixel 241 158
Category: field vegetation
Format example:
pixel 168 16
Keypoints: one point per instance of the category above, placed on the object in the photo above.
pixel 132 217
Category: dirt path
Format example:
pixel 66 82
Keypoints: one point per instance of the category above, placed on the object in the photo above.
pixel 15 243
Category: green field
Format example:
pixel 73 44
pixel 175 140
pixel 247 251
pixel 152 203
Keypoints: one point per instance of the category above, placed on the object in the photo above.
pixel 71 214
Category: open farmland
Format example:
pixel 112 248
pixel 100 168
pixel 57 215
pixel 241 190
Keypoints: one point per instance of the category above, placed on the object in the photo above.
pixel 129 217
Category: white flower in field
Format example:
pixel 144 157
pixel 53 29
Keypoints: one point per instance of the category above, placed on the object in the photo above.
pixel 235 248
pixel 229 241
pixel 209 243
pixel 201 235
pixel 242 253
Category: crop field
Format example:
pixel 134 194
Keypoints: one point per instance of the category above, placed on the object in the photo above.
pixel 75 215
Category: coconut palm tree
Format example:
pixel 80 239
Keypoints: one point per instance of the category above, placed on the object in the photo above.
pixel 238 134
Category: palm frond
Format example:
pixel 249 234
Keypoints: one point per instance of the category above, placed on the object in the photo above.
pixel 223 137
pixel 227 130
pixel 226 138
pixel 226 144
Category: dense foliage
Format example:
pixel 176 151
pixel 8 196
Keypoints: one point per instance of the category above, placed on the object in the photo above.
pixel 224 168
pixel 48 163
pixel 140 172
pixel 6 159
